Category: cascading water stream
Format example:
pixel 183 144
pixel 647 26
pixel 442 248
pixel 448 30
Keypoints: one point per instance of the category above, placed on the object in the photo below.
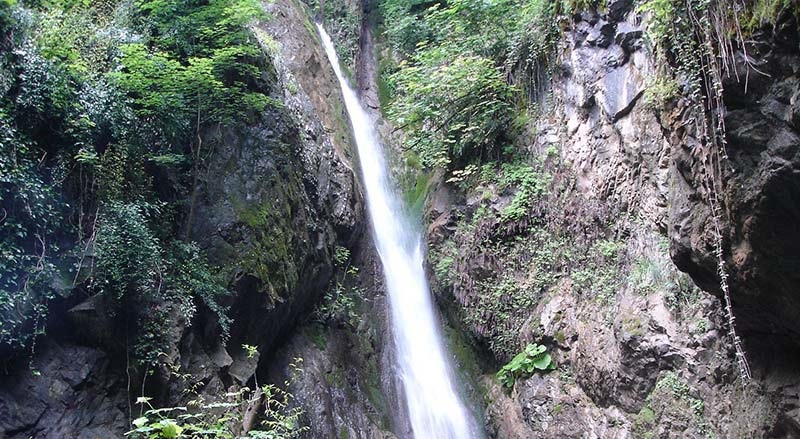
pixel 435 409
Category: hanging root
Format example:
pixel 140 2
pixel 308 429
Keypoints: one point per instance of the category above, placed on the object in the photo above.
pixel 714 55
pixel 741 358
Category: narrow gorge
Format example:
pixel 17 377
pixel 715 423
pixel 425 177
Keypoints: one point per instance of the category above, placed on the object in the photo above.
pixel 461 219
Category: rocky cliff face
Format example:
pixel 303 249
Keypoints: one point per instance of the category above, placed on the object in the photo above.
pixel 348 387
pixel 641 351
pixel 760 186
pixel 275 201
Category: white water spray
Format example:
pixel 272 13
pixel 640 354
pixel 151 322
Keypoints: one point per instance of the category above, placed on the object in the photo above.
pixel 434 407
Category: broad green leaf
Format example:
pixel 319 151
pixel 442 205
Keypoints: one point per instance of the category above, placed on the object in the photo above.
pixel 543 362
pixel 170 430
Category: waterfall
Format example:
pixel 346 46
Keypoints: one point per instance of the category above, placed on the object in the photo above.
pixel 434 406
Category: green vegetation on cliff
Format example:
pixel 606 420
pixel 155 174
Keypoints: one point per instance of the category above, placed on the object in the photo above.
pixel 463 81
pixel 104 107
pixel 461 70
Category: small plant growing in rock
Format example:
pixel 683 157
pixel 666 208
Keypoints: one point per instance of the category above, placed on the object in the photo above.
pixel 341 256
pixel 227 418
pixel 660 90
pixel 533 358
pixel 339 304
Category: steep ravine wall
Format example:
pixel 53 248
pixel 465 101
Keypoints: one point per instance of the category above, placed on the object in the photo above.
pixel 276 200
pixel 348 387
pixel 641 352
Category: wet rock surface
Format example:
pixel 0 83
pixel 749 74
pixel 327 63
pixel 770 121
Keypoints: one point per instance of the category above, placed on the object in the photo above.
pixel 348 387
pixel 66 391
pixel 650 360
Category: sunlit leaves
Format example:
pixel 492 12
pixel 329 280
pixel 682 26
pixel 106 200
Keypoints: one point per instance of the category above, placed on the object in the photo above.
pixel 453 92
pixel 451 104
pixel 96 100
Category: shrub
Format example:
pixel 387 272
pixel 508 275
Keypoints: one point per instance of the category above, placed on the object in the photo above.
pixel 94 102
pixel 30 215
pixel 453 91
pixel 340 303
pixel 529 185
pixel 453 106
pixel 204 419
pixel 155 283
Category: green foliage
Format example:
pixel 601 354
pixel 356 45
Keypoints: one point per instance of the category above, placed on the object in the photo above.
pixel 499 265
pixel 682 295
pixel 191 276
pixel 451 93
pixel 204 419
pixel 31 212
pixel 529 266
pixel 135 271
pixel 405 23
pixel 341 256
pixel 530 185
pixel 127 252
pixel 339 305
pixel 660 91
pixel 453 106
pixel 344 26
pixel 533 358
pixel 6 11
pixel 599 276
pixel 197 66
pixel 702 326
pixel 74 37
pixel 443 258
pixel 177 95
pixel 766 12
pixel 646 276
pixel 672 397
pixel 198 29
pixel 96 99
pixel 250 349
pixel 657 274
pixel 531 42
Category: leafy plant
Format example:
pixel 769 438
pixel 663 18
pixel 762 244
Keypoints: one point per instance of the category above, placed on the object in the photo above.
pixel 456 89
pixel 91 97
pixel 339 304
pixel 529 186
pixel 533 358
pixel 204 419
pixel 452 105
pixel 153 282
pixel 660 91
pixel 30 215
pixel 341 256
